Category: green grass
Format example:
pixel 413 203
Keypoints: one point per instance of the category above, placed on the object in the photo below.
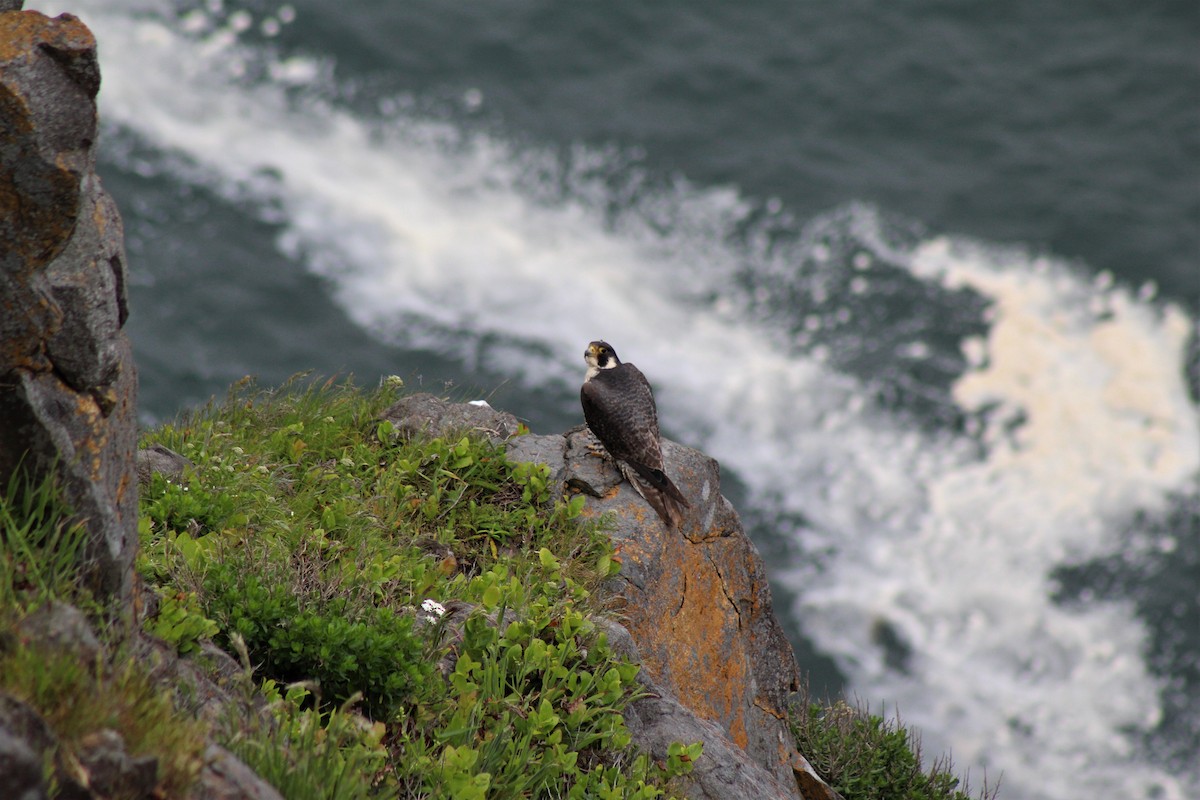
pixel 865 756
pixel 40 556
pixel 333 754
pixel 40 548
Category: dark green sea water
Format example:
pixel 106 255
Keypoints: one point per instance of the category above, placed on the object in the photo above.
pixel 924 276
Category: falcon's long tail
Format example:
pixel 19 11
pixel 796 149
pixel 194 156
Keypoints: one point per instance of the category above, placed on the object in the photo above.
pixel 659 491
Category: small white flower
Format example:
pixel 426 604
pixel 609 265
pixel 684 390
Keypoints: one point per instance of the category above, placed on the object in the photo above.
pixel 433 607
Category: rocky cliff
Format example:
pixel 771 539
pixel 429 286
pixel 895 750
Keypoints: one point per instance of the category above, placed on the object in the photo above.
pixel 68 394
pixel 67 381
pixel 693 604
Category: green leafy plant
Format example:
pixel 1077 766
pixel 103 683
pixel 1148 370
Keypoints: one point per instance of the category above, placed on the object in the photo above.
pixel 866 756
pixel 332 551
pixel 188 505
pixel 347 648
pixel 312 754
pixel 681 758
pixel 528 699
pixel 180 622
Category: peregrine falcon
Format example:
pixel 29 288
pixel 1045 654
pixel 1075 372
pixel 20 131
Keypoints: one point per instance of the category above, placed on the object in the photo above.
pixel 619 408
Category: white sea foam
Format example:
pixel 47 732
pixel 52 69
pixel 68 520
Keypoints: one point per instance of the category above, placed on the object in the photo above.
pixel 1000 675
pixel 1077 390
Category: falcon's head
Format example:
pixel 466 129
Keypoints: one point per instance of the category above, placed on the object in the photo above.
pixel 600 355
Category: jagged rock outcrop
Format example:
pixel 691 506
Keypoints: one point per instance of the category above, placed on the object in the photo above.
pixel 163 461
pixel 67 380
pixel 696 609
pixel 68 403
pixel 210 686
pixel 724 770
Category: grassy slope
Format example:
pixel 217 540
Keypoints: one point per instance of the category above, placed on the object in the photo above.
pixel 321 547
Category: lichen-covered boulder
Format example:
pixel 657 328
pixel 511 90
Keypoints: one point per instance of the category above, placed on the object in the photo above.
pixel 67 380
pixel 697 606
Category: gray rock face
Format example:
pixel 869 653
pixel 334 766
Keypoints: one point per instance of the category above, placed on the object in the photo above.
pixel 161 460
pixel 60 626
pixel 111 771
pixel 224 777
pixel 21 733
pixel 20 770
pixel 430 415
pixel 724 771
pixel 67 380
pixel 26 727
pixel 208 685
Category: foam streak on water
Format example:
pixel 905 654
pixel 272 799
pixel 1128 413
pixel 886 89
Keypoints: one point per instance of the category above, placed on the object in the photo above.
pixel 1076 392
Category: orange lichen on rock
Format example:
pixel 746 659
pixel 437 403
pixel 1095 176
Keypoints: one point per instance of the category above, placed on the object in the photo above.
pixel 22 32
pixel 696 603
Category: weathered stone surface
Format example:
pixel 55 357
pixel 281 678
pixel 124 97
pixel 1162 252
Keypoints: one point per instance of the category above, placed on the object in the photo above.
pixel 20 770
pixel 161 460
pixel 62 627
pixel 225 777
pixel 209 685
pixel 697 604
pixel 67 380
pixel 48 75
pixel 21 722
pixel 24 737
pixel 434 416
pixel 110 770
pixel 724 771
